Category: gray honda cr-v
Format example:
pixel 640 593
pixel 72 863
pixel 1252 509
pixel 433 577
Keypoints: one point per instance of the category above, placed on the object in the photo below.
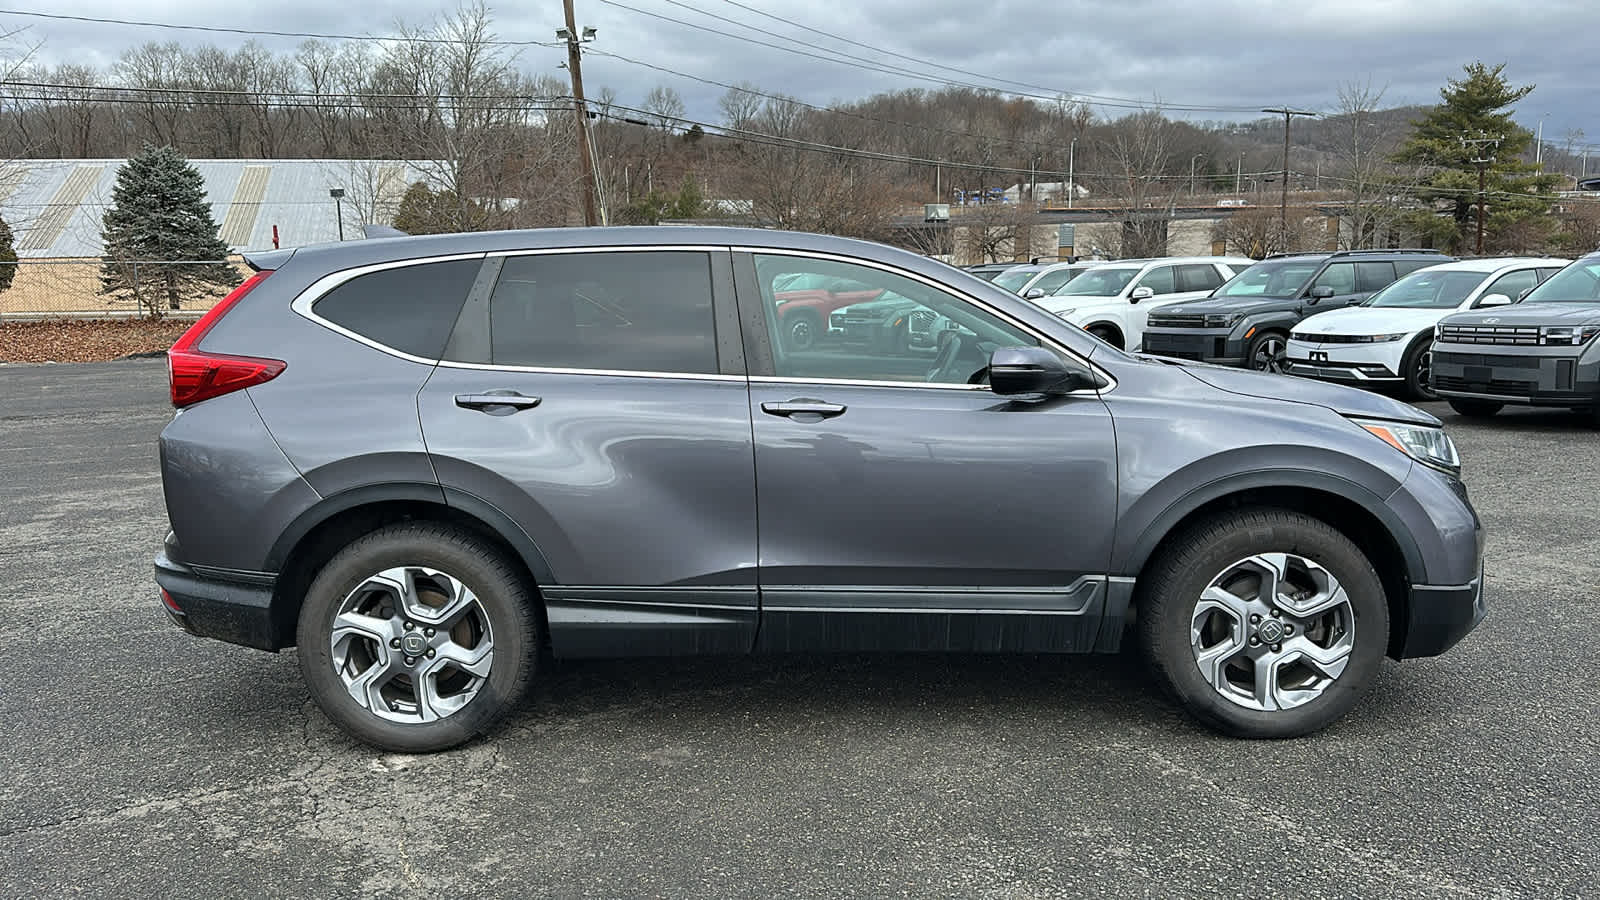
pixel 434 463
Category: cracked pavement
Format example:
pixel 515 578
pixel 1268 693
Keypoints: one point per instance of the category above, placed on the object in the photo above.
pixel 144 762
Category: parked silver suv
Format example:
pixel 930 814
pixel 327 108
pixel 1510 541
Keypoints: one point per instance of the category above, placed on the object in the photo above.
pixel 434 463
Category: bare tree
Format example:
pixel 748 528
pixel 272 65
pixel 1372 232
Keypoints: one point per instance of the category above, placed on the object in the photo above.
pixel 1371 183
pixel 1139 153
pixel 1256 231
pixel 740 105
pixel 997 232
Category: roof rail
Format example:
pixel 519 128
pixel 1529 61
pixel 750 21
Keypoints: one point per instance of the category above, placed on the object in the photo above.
pixel 1424 250
pixel 1298 253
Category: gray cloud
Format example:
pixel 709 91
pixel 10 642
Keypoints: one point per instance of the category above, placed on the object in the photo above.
pixel 1228 53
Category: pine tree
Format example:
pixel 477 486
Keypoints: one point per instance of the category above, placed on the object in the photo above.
pixel 8 257
pixel 159 213
pixel 1518 198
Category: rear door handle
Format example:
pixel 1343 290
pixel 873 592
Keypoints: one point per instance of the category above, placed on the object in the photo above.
pixel 496 401
pixel 803 407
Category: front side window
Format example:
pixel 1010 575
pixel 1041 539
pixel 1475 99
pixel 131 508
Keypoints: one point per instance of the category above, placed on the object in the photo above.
pixel 1339 276
pixel 1577 283
pixel 1101 281
pixel 1013 279
pixel 646 312
pixel 410 308
pixel 1274 278
pixel 1159 280
pixel 1428 289
pixel 908 331
pixel 1050 281
pixel 1514 284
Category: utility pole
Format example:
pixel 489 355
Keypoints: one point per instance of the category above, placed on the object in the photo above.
pixel 1072 181
pixel 1283 204
pixel 1482 162
pixel 1238 178
pixel 1191 172
pixel 580 109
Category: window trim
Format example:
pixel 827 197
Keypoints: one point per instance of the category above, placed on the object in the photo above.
pixel 758 303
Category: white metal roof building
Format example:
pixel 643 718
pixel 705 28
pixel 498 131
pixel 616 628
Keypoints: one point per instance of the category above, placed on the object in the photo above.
pixel 55 206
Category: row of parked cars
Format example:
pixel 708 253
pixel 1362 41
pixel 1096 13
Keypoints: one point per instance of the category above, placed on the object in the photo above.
pixel 1479 333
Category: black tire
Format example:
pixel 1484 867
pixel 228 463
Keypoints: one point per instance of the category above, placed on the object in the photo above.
pixel 1170 592
pixel 1108 334
pixel 1267 352
pixel 802 330
pixel 1416 367
pixel 504 597
pixel 1475 409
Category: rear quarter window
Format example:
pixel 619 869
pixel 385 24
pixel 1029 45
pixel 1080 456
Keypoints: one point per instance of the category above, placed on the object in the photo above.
pixel 409 308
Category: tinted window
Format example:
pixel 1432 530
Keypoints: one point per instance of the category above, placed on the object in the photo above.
pixel 1407 266
pixel 1198 278
pixel 907 330
pixel 1159 280
pixel 411 308
pixel 1339 276
pixel 1513 284
pixel 648 312
pixel 1373 276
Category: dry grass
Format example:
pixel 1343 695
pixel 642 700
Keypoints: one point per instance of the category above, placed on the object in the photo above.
pixel 77 340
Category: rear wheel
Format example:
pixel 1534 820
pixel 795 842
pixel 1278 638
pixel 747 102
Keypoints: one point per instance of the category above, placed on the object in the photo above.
pixel 1264 623
pixel 1417 367
pixel 1268 352
pixel 1475 409
pixel 418 637
pixel 802 330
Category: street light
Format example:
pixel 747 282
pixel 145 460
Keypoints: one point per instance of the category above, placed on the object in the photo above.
pixel 338 207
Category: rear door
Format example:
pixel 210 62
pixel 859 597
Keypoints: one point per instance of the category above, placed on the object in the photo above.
pixel 902 505
pixel 598 400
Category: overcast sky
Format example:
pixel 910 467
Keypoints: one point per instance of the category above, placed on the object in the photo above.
pixel 1225 53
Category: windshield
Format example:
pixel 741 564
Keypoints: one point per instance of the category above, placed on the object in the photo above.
pixel 1013 279
pixel 1274 278
pixel 1577 283
pixel 1429 289
pixel 1101 281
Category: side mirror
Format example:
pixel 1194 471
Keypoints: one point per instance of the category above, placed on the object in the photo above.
pixel 1141 293
pixel 1495 300
pixel 1033 294
pixel 1033 370
pixel 1321 292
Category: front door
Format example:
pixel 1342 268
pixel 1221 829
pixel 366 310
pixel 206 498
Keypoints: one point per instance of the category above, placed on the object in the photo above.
pixel 586 396
pixel 901 504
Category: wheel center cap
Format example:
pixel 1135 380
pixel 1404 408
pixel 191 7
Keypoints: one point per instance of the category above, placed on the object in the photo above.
pixel 1271 631
pixel 413 644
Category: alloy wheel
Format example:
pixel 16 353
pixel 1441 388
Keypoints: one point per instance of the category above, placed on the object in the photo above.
pixel 412 644
pixel 1273 631
pixel 1269 356
pixel 801 334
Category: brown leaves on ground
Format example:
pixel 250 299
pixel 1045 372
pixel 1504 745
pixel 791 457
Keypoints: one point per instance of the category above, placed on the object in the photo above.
pixel 86 340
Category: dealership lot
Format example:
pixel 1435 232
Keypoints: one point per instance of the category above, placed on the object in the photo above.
pixel 143 761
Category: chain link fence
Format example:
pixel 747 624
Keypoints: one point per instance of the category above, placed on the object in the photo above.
pixel 76 288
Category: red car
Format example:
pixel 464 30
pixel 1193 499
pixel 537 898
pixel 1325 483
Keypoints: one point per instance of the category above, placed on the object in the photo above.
pixel 804 302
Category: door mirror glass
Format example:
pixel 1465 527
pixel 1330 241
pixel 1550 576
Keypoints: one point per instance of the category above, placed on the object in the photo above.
pixel 1495 300
pixel 1141 293
pixel 1033 370
pixel 1321 292
pixel 1033 294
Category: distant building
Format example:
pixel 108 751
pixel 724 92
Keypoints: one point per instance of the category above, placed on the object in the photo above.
pixel 55 207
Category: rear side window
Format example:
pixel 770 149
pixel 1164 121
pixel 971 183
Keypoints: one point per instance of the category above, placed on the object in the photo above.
pixel 641 312
pixel 410 308
pixel 1407 266
pixel 1198 278
pixel 1373 276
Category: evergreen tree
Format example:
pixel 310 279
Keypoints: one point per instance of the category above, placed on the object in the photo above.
pixel 1518 198
pixel 159 213
pixel 8 257
pixel 426 211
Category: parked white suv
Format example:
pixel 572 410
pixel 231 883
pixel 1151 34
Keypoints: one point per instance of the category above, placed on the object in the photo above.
pixel 1045 278
pixel 1387 338
pixel 1113 300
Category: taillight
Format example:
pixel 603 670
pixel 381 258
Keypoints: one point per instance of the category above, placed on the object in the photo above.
pixel 196 375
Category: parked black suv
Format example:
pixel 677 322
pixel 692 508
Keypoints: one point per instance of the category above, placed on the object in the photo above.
pixel 1246 322
pixel 1542 351
pixel 436 463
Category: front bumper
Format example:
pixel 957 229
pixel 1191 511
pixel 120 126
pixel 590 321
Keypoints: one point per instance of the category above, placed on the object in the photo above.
pixel 1538 376
pixel 1347 363
pixel 1208 345
pixel 236 609
pixel 1440 616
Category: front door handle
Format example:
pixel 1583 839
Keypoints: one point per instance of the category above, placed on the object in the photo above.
pixel 803 407
pixel 501 403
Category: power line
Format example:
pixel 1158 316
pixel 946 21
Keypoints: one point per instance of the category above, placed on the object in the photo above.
pixel 220 29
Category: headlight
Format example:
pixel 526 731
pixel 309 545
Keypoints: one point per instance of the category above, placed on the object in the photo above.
pixel 1223 320
pixel 1568 335
pixel 1381 338
pixel 1427 445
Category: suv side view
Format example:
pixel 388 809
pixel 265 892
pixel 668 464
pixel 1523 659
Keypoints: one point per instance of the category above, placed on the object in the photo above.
pixel 1112 300
pixel 1542 351
pixel 434 464
pixel 1247 321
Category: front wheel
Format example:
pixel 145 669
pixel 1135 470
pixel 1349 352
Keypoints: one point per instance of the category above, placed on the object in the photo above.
pixel 1268 352
pixel 1108 334
pixel 1475 409
pixel 418 637
pixel 1264 623
pixel 1417 367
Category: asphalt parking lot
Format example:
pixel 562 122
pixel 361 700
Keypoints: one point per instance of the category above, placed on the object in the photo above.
pixel 140 761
